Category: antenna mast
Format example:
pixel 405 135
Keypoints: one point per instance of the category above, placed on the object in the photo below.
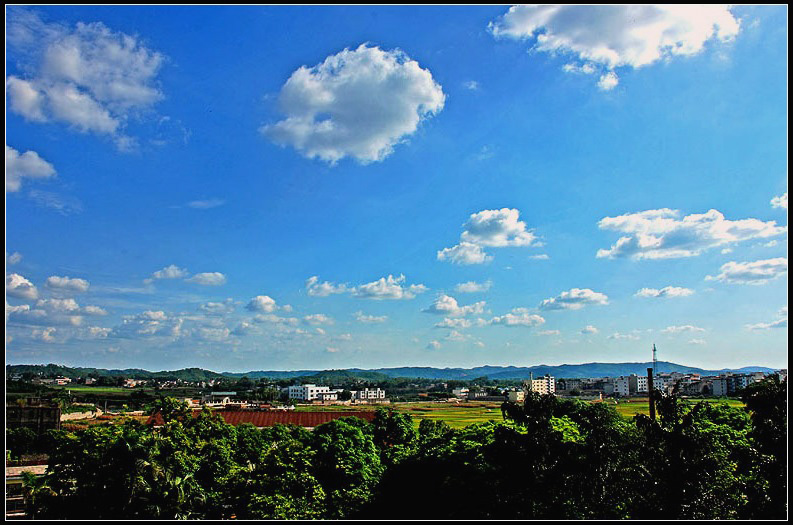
pixel 655 361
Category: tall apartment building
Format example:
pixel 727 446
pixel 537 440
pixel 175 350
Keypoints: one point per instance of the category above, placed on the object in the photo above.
pixel 622 385
pixel 543 385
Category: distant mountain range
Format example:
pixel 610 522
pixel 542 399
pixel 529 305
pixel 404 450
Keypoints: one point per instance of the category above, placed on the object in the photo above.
pixel 491 372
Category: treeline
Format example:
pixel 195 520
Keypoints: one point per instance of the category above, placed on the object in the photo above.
pixel 550 459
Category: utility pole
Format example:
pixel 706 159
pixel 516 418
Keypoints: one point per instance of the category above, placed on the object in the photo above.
pixel 651 391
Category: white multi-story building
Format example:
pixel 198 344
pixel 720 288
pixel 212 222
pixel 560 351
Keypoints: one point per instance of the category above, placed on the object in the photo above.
pixel 622 386
pixel 369 394
pixel 543 385
pixel 307 392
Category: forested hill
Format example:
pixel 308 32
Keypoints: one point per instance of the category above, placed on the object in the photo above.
pixel 491 372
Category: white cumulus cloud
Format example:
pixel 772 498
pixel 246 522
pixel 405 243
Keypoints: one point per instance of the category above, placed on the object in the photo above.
pixel 574 299
pixel 18 286
pixel 364 318
pixel 473 287
pixel 667 291
pixel 447 305
pixel 87 76
pixel 780 201
pixel 490 228
pixel 208 279
pixel 70 284
pixel 28 165
pixel 519 317
pixel 262 303
pixel 757 272
pixel 681 329
pixel 357 103
pixel 661 234
pixel 605 37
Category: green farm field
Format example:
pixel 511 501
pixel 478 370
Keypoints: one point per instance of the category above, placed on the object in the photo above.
pixel 628 408
pixel 456 415
pixel 459 415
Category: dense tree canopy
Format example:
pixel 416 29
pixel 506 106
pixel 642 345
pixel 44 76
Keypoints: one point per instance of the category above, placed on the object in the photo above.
pixel 549 459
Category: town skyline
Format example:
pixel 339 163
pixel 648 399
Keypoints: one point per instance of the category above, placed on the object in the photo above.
pixel 286 188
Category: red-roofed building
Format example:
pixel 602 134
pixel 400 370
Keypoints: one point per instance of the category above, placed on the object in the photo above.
pixel 269 418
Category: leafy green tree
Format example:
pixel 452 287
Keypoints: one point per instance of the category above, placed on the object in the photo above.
pixel 766 402
pixel 347 464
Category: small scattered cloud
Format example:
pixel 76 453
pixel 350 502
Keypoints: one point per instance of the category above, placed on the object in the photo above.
pixel 169 272
pixel 205 204
pixel 471 85
pixel 681 329
pixel 447 305
pixel 317 319
pixel 574 299
pixel 262 303
pixel 19 287
pixel 620 336
pixel 323 289
pixel 473 287
pixel 518 317
pixel 68 284
pixel 668 291
pixel 208 279
pixel 589 330
pixel 27 166
pixel 364 318
pixel 458 323
pixel 608 81
pixel 464 253
pixel 780 322
pixel 776 202
pixel 14 258
pixel 756 273
pixel 63 204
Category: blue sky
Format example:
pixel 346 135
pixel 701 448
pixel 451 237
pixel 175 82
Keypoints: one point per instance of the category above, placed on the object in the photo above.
pixel 242 188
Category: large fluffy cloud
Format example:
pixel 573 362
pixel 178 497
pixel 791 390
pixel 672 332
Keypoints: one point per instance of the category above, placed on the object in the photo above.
pixel 757 272
pixel 87 76
pixel 661 234
pixel 604 37
pixel 492 228
pixel 574 299
pixel 25 166
pixel 357 103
